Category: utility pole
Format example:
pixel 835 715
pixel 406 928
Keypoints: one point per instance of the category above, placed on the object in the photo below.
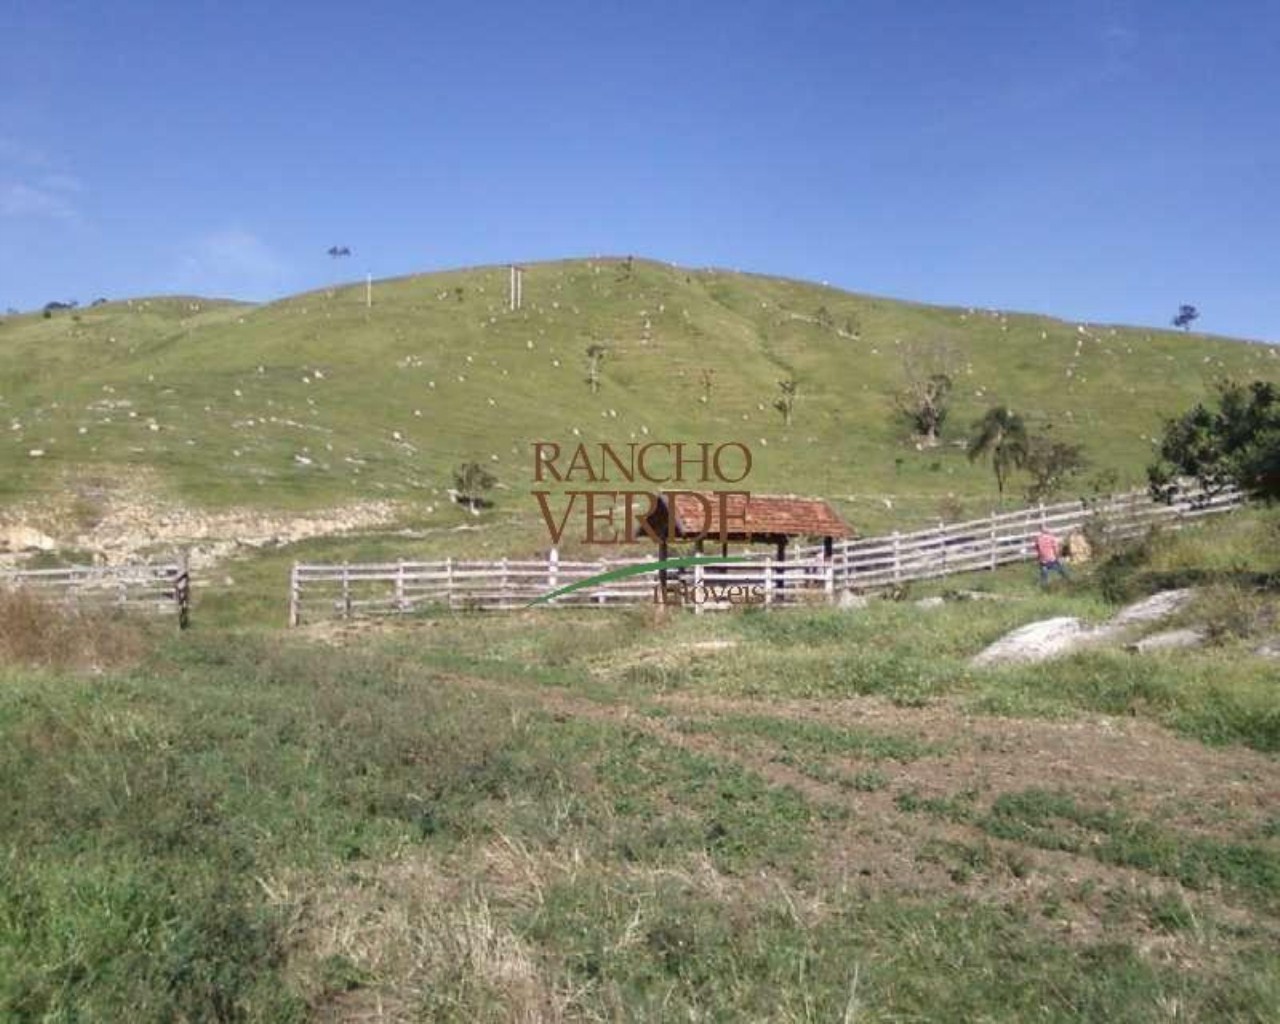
pixel 516 287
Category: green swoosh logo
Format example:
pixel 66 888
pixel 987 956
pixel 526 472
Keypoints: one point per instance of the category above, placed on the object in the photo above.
pixel 638 570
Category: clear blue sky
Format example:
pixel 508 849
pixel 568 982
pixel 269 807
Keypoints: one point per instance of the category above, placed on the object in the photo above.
pixel 1096 160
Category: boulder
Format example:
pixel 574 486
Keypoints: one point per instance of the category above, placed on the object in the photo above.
pixel 1169 640
pixel 1152 609
pixel 1037 641
pixel 849 600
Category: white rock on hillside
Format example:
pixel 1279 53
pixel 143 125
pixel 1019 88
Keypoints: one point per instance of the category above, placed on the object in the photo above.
pixel 1036 641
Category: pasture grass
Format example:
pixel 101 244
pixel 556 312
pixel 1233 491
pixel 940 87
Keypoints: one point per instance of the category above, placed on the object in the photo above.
pixel 585 815
pixel 316 400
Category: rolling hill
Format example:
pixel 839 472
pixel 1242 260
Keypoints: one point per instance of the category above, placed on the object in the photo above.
pixel 317 400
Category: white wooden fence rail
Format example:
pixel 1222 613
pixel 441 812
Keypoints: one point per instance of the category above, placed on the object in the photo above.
pixel 866 564
pixel 152 588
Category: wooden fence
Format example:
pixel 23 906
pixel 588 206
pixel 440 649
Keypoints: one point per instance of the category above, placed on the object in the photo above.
pixel 150 588
pixel 871 563
pixel 997 540
pixel 399 587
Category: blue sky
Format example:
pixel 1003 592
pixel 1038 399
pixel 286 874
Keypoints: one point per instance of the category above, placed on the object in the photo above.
pixel 1095 160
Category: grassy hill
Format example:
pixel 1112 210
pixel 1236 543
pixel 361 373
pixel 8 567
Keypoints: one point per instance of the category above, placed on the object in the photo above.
pixel 317 399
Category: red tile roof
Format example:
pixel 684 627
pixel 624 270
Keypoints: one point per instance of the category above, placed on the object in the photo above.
pixel 766 515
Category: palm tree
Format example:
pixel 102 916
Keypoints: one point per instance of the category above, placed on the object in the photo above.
pixel 1002 435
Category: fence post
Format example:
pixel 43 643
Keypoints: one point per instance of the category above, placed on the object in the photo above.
pixel 768 579
pixel 182 592
pixel 503 585
pixel 897 557
pixel 697 588
pixel 600 594
pixel 829 581
pixel 992 521
pixel 295 612
pixel 401 607
pixel 448 580
pixel 942 542
pixel 346 591
pixel 553 569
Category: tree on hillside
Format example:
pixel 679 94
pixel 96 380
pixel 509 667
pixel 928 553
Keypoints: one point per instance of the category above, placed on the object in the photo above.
pixel 595 356
pixel 1186 315
pixel 1050 464
pixel 925 396
pixel 1236 444
pixel 785 403
pixel 470 482
pixel 1000 435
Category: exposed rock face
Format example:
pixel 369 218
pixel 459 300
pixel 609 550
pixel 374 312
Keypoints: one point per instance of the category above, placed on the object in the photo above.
pixel 24 538
pixel 1152 609
pixel 1052 638
pixel 126 531
pixel 1037 641
pixel 1170 640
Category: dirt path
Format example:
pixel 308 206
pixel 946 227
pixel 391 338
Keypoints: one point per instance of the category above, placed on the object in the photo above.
pixel 876 843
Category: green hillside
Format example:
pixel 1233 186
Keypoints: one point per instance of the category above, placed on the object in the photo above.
pixel 316 399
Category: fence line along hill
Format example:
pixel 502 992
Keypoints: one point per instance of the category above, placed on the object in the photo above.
pixel 350 590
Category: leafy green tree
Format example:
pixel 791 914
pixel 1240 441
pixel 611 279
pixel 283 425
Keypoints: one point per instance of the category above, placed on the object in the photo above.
pixel 470 482
pixel 1000 435
pixel 1186 316
pixel 1050 464
pixel 1236 444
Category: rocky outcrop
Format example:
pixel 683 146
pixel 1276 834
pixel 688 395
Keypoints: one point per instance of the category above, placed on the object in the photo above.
pixel 20 538
pixel 1052 638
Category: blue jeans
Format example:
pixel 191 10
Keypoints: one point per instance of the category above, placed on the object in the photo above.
pixel 1048 567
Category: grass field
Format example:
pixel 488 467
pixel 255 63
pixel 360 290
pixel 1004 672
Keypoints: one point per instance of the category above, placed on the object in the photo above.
pixel 317 400
pixel 814 815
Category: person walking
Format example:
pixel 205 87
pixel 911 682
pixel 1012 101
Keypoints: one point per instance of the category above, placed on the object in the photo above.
pixel 1047 554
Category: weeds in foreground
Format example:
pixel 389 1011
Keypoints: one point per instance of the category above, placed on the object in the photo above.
pixel 39 633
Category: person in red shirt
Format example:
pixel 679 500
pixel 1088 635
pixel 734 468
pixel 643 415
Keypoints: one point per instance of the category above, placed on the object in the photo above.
pixel 1047 556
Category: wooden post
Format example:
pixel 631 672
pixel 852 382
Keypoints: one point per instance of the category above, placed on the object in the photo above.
pixel 346 591
pixel 829 569
pixel 402 606
pixel 448 581
pixel 897 557
pixel 503 585
pixel 182 593
pixel 697 586
pixel 768 580
pixel 942 543
pixel 992 521
pixel 600 595
pixel 295 610
pixel 553 569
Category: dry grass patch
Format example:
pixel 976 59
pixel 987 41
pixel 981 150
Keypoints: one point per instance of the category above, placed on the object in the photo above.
pixel 406 941
pixel 37 632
